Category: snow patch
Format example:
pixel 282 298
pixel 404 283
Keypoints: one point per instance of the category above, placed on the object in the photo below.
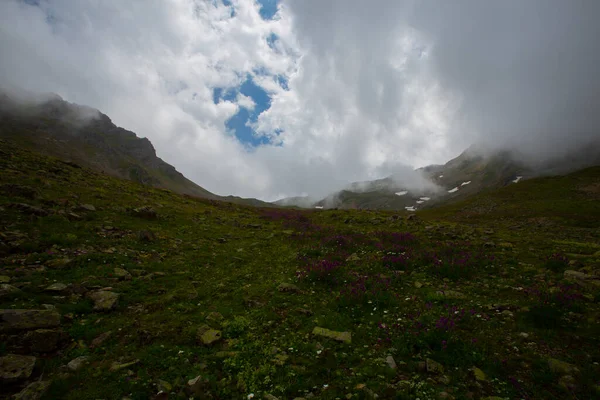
pixel 402 193
pixel 441 176
pixel 518 179
pixel 425 198
pixel 453 190
pixel 411 208
pixel 465 183
pixel 319 207
pixel 420 202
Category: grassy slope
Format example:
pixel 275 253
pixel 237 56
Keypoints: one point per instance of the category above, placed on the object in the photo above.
pixel 226 258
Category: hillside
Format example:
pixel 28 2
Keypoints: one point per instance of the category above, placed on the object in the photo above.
pixel 111 289
pixel 85 136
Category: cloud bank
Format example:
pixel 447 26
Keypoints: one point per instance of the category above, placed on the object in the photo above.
pixel 336 91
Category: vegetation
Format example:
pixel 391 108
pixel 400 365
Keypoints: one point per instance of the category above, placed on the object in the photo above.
pixel 494 296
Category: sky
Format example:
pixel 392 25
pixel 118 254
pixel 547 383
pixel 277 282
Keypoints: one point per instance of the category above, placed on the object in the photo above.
pixel 278 98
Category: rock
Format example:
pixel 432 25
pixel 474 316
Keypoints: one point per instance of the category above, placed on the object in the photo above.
pixel 412 217
pixel 582 279
pixel 479 374
pixel 269 396
pixel 29 209
pixel 418 285
pixel 197 386
pixel 561 367
pixel 11 189
pixel 117 366
pixel 33 391
pixel 7 290
pixel 4 279
pixel 86 207
pixel 15 367
pixel 345 337
pixel 164 386
pixel 56 287
pixel 146 236
pixel 74 217
pixel 353 257
pixel 58 263
pixel 451 294
pixel 288 288
pixel 104 300
pixel 391 362
pixel 122 274
pixel 100 339
pixel 44 340
pixel 145 212
pixel 305 311
pixel 77 363
pixel 214 316
pixel 434 367
pixel 567 383
pixel 208 336
pixel 28 319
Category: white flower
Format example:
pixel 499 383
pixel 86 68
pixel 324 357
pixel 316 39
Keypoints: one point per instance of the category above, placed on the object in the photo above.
pixel 251 395
pixel 319 351
pixel 325 386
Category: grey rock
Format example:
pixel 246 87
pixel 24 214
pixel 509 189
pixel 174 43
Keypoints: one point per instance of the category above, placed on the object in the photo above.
pixel 345 337
pixel 391 362
pixel 288 288
pixel 86 207
pixel 44 340
pixel 104 300
pixel 77 363
pixel 7 290
pixel 56 287
pixel 122 274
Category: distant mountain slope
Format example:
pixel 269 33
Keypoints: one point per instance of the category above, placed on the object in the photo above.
pixel 471 172
pixel 89 138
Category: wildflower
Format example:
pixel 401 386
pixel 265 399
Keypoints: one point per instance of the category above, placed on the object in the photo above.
pixel 325 386
pixel 251 395
pixel 319 351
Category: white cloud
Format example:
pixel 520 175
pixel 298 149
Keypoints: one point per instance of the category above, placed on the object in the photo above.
pixel 373 86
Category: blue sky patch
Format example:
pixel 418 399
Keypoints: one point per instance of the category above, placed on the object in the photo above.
pixel 239 123
pixel 268 8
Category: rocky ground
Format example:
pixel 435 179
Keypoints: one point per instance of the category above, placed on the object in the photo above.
pixel 113 290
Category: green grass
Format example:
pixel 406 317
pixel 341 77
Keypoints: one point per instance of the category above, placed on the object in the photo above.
pixel 427 288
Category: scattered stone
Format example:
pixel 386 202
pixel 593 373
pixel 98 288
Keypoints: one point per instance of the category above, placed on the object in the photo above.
pixel 208 336
pixel 214 316
pixel 86 207
pixel 288 288
pixel 221 240
pixel 305 311
pixel 56 287
pixel 433 367
pixel 164 386
pixel 489 244
pixel 58 263
pixel 15 367
pixel 524 335
pixel 567 383
pixel 122 274
pixel 74 217
pixel 44 340
pixel 49 306
pixel 391 362
pixel 29 209
pixel 116 366
pixel 33 391
pixel 353 257
pixel 104 300
pixel 451 294
pixel 561 367
pixel 28 319
pixel 4 279
pixel 145 212
pixel 479 374
pixel 77 363
pixel 146 236
pixel 11 189
pixel 100 339
pixel 197 386
pixel 418 285
pixel 6 290
pixel 345 337
pixel 269 396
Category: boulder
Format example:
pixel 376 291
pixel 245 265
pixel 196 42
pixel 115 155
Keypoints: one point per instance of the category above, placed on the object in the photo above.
pixel 434 367
pixel 44 340
pixel 15 367
pixel 33 391
pixel 122 274
pixel 56 287
pixel 77 363
pixel 145 212
pixel 28 319
pixel 208 336
pixel 104 300
pixel 288 288
pixel 7 290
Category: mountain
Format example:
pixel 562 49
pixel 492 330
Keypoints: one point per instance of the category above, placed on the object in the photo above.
pixel 474 170
pixel 85 136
